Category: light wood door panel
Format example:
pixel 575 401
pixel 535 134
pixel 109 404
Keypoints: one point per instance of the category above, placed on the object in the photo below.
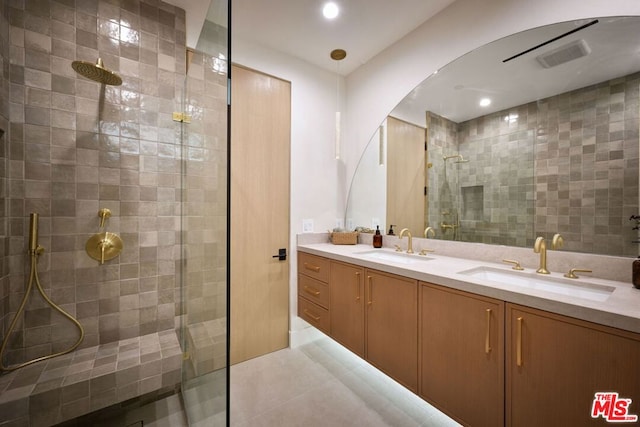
pixel 392 326
pixel 563 363
pixel 260 147
pixel 462 354
pixel 406 175
pixel 347 306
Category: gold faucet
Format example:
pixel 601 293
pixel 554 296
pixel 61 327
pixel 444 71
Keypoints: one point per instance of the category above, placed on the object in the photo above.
pixel 427 231
pixel 540 247
pixel 410 245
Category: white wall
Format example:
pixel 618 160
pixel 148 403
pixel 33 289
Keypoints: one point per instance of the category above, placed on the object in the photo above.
pixel 319 183
pixel 374 89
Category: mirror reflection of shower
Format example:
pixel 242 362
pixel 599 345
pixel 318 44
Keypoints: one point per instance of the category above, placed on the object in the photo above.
pixel 450 199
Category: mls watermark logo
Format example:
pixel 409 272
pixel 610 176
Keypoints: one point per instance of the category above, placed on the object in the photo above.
pixel 612 408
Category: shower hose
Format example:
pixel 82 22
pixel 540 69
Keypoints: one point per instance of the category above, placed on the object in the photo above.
pixel 34 251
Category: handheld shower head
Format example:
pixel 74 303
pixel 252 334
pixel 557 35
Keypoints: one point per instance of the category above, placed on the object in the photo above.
pixel 96 72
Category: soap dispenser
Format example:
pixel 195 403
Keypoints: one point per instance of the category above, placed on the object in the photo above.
pixel 391 233
pixel 377 238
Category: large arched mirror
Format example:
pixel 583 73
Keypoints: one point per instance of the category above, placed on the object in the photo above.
pixel 533 134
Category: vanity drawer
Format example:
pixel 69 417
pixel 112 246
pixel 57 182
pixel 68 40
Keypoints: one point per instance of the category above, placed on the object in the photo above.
pixel 314 314
pixel 313 290
pixel 313 266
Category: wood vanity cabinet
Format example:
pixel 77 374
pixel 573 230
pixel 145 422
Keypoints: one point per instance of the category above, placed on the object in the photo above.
pixel 346 285
pixel 556 364
pixel 461 338
pixel 313 290
pixel 391 326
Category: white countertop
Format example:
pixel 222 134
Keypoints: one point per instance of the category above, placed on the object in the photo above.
pixel 620 310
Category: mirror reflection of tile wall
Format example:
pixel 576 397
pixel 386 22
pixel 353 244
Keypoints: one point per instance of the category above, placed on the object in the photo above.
pixel 566 164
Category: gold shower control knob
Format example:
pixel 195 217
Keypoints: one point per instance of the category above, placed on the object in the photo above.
pixel 104 246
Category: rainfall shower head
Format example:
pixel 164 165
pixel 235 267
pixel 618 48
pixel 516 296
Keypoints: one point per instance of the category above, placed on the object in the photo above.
pixel 96 72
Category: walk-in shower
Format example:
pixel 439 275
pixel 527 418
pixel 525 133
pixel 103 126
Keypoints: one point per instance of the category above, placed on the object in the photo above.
pixel 450 199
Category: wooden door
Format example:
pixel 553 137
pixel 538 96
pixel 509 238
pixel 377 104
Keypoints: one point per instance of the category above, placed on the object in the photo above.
pixel 462 355
pixel 406 175
pixel 563 362
pixel 391 321
pixel 347 306
pixel 260 146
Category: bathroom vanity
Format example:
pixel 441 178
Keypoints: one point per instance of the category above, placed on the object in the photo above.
pixel 486 344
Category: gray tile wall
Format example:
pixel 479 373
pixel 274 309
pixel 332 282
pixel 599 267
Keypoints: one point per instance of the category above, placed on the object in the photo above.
pixel 75 147
pixel 4 137
pixel 205 214
pixel 566 164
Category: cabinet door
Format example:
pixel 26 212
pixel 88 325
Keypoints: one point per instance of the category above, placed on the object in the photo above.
pixel 556 364
pixel 462 354
pixel 347 306
pixel 392 326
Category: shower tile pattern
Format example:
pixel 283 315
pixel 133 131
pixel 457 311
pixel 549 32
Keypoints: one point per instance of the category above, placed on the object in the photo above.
pixel 77 146
pixel 205 211
pixel 4 161
pixel 71 147
pixel 60 389
pixel 566 164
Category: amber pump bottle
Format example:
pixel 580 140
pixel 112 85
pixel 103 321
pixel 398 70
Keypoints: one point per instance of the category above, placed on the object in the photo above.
pixel 377 238
pixel 636 272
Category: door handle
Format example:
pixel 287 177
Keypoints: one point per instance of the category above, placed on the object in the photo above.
pixel 282 254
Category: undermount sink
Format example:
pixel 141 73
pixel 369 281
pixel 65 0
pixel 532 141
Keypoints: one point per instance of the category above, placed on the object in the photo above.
pixel 397 257
pixel 579 289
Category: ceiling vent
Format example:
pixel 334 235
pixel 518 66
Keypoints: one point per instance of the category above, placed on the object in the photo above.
pixel 568 52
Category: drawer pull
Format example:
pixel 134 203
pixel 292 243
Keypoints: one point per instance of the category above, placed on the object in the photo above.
pixel 487 341
pixel 312 267
pixel 519 342
pixel 370 300
pixel 311 291
pixel 311 315
pixel 357 286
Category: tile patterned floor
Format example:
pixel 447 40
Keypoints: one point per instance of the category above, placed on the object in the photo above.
pixel 321 384
pixel 90 379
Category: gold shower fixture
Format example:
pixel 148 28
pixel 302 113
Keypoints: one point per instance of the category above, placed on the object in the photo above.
pixel 96 72
pixel 104 246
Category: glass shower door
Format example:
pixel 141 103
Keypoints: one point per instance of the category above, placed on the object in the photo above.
pixel 204 217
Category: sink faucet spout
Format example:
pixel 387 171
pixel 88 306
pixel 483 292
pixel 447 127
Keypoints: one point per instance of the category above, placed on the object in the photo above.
pixel 410 244
pixel 540 247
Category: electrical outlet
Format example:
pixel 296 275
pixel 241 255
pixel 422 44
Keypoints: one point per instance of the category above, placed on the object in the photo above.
pixel 339 223
pixel 375 222
pixel 307 226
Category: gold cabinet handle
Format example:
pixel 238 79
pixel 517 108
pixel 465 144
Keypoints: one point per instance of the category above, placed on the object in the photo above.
pixel 487 340
pixel 311 291
pixel 357 286
pixel 311 315
pixel 312 267
pixel 370 299
pixel 519 342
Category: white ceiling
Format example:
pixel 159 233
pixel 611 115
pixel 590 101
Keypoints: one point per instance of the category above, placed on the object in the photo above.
pixel 296 27
pixel 456 90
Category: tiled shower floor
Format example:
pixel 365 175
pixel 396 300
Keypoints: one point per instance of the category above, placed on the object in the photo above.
pixel 90 379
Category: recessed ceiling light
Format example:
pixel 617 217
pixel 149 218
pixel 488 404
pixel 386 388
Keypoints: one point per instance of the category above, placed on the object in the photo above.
pixel 330 10
pixel 485 102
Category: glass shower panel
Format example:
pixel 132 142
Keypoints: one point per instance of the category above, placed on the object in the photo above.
pixel 203 266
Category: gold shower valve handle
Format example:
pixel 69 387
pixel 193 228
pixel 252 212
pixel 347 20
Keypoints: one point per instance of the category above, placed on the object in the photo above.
pixel 104 213
pixel 104 246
